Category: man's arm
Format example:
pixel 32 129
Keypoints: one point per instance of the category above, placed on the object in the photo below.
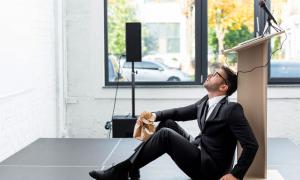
pixel 242 130
pixel 178 114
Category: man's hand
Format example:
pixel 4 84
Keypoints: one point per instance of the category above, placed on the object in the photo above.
pixel 146 116
pixel 228 177
pixel 139 121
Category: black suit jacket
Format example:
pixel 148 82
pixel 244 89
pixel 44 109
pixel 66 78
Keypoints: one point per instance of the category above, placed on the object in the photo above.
pixel 218 136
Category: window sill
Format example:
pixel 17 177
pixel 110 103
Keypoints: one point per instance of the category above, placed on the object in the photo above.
pixel 189 92
pixel 154 86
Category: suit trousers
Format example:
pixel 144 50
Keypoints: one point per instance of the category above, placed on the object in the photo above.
pixel 170 138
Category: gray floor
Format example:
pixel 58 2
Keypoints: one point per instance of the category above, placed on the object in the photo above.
pixel 72 159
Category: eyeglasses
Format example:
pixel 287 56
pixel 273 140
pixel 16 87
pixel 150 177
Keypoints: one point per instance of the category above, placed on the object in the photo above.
pixel 217 73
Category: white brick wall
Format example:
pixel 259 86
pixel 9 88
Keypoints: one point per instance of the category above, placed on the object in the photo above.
pixel 27 73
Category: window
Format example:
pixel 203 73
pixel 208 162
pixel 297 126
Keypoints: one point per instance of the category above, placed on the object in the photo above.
pixel 188 40
pixel 165 36
pixel 285 62
pixel 168 41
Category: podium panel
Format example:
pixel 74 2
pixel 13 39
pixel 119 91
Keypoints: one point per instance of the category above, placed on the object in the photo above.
pixel 252 95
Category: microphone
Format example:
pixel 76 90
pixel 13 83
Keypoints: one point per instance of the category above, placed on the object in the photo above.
pixel 263 5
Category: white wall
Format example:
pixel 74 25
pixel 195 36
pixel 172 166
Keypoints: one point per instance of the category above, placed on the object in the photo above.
pixel 27 73
pixel 90 104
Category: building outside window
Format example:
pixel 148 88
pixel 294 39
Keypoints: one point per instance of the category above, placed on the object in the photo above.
pixel 285 62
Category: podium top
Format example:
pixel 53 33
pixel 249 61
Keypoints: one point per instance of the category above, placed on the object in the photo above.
pixel 252 42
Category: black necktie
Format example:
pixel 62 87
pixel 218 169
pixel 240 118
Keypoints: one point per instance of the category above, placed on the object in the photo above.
pixel 203 117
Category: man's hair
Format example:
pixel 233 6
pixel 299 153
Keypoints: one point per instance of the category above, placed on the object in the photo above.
pixel 231 80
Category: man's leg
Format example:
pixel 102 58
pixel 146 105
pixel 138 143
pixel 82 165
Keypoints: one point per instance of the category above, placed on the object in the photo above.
pixel 169 138
pixel 169 123
pixel 166 140
pixel 174 126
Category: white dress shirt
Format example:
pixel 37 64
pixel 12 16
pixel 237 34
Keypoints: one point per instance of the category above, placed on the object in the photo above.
pixel 212 103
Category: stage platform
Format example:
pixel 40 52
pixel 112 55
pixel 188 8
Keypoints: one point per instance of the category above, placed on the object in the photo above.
pixel 72 159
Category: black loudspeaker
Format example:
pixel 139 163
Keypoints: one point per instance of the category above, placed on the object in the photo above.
pixel 123 126
pixel 133 42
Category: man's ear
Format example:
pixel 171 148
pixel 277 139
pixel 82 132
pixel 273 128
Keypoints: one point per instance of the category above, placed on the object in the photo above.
pixel 224 88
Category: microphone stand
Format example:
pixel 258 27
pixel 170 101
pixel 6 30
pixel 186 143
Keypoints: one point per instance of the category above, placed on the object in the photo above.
pixel 133 89
pixel 268 26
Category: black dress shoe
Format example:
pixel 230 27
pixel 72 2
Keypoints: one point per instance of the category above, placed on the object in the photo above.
pixel 112 173
pixel 134 174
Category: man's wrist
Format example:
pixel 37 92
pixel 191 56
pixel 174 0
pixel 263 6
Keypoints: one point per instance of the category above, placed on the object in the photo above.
pixel 154 116
pixel 234 173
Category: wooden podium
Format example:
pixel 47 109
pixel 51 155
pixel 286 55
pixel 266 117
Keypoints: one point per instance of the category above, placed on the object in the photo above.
pixel 252 95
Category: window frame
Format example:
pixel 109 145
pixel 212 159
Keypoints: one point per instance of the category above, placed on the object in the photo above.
pixel 200 51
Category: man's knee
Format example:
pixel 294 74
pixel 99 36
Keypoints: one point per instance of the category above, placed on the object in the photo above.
pixel 164 131
pixel 169 123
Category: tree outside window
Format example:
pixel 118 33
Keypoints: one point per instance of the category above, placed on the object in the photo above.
pixel 230 22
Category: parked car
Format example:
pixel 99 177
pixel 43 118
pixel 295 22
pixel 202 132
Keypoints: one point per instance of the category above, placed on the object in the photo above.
pixel 285 69
pixel 149 70
pixel 114 73
pixel 170 60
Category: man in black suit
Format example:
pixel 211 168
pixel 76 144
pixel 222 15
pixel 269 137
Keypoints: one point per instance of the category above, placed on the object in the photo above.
pixel 210 155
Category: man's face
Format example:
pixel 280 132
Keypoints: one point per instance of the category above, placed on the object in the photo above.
pixel 216 81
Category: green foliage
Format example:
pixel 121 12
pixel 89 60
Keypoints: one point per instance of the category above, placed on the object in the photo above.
pixel 231 39
pixel 118 13
pixel 213 42
pixel 276 45
pixel 234 37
